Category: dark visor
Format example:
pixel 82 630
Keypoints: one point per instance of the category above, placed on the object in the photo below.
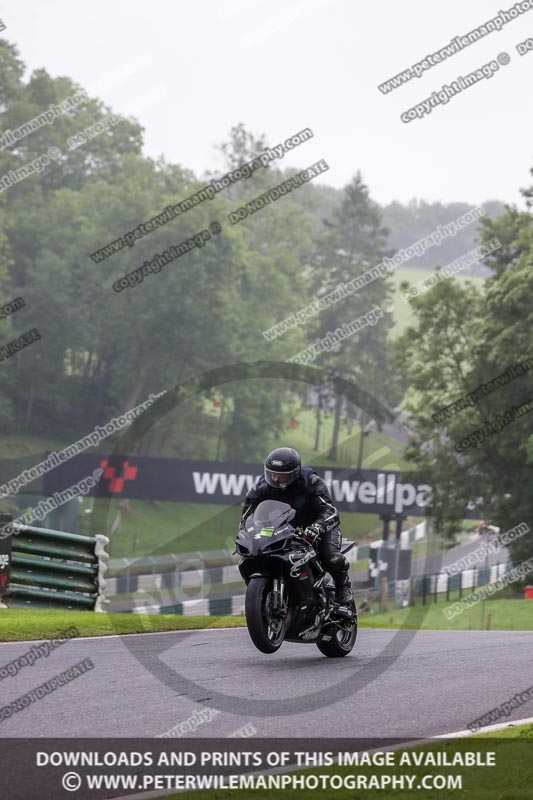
pixel 281 479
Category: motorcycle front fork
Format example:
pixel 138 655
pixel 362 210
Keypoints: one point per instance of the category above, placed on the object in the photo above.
pixel 278 601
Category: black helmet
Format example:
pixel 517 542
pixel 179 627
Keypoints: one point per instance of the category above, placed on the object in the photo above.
pixel 282 467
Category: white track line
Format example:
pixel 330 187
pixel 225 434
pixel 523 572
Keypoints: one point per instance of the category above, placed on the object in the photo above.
pixel 121 635
pixel 233 628
pixel 485 729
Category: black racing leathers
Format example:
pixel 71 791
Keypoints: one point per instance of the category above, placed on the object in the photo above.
pixel 310 498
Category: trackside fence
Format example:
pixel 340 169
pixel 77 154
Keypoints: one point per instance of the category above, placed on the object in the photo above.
pixel 430 588
pixel 427 588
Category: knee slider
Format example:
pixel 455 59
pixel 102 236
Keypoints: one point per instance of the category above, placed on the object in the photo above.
pixel 338 564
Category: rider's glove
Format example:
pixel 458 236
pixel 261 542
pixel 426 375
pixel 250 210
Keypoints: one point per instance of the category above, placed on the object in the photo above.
pixel 312 532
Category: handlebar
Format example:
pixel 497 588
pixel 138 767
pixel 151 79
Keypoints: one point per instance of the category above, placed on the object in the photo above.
pixel 299 534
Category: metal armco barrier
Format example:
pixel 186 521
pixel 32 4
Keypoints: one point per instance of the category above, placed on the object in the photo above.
pixel 54 569
pixel 206 606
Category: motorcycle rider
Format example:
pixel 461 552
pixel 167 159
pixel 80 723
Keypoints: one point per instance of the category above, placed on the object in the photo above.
pixel 288 480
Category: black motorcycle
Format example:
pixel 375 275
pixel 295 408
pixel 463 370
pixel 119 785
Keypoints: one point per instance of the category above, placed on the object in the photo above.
pixel 289 597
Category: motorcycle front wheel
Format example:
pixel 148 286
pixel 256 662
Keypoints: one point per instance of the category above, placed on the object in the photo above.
pixel 266 631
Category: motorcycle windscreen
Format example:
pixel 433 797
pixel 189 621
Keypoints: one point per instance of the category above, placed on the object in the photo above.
pixel 272 514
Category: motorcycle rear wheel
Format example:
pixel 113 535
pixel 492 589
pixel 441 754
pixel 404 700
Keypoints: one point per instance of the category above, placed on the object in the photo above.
pixel 265 632
pixel 341 643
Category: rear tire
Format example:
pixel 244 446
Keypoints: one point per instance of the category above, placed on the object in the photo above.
pixel 341 643
pixel 265 633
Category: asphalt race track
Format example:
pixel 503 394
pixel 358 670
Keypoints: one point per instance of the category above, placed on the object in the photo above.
pixel 395 683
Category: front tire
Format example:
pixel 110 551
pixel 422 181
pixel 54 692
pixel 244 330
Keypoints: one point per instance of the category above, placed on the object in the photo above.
pixel 265 632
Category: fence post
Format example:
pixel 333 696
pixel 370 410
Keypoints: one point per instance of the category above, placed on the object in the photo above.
pixel 435 587
pixel 5 554
pixel 448 587
pixel 383 593
pixel 413 592
pixel 424 589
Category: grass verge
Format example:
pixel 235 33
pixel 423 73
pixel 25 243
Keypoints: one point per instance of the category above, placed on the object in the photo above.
pixel 505 615
pixel 21 624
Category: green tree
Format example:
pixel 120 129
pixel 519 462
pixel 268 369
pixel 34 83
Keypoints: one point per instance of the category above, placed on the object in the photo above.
pixel 352 242
pixel 464 338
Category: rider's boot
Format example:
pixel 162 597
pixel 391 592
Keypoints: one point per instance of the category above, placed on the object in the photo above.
pixel 343 589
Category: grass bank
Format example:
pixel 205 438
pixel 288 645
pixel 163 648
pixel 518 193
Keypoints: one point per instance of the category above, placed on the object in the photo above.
pixel 19 624
pixel 505 615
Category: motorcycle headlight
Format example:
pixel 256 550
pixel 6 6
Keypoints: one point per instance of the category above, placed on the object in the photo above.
pixel 279 545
